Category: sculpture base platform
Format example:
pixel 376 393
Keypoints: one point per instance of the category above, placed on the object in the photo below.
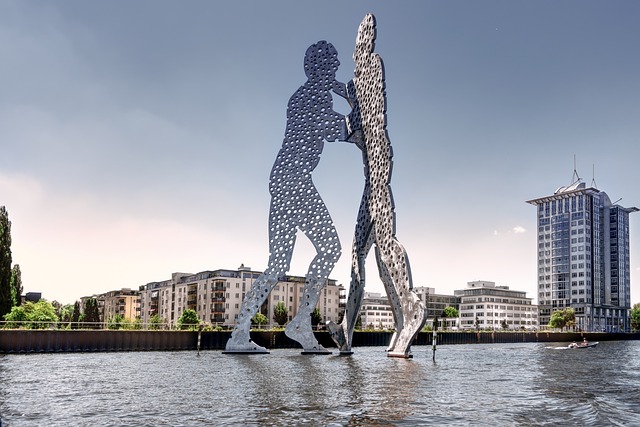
pixel 400 355
pixel 246 351
pixel 319 352
pixel 346 353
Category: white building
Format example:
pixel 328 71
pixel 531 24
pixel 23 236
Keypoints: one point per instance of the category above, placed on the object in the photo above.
pixel 493 306
pixel 375 312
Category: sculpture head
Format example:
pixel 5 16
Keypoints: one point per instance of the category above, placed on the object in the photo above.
pixel 365 41
pixel 321 61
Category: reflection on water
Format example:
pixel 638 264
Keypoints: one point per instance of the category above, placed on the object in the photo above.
pixel 502 384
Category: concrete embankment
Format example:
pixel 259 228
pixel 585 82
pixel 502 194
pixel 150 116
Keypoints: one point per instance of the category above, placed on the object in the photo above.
pixel 54 341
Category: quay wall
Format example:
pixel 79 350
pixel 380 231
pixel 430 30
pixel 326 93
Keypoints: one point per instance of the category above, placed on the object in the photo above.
pixel 55 341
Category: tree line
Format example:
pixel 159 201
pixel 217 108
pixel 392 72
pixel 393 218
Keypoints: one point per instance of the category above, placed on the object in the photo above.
pixel 10 275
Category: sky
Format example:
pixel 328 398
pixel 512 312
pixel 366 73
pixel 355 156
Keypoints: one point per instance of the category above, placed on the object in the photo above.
pixel 136 138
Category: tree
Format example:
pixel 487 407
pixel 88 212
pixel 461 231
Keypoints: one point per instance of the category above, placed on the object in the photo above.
pixel 91 314
pixel 260 319
pixel 155 322
pixel 64 313
pixel 188 319
pixel 449 312
pixel 116 322
pixel 316 317
pixel 75 317
pixel 635 317
pixel 16 285
pixel 280 313
pixel 504 324
pixel 6 302
pixel 39 315
pixel 562 318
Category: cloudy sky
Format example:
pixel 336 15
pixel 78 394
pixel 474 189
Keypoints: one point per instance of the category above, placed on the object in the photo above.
pixel 136 138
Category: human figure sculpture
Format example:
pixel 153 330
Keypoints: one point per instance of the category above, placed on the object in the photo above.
pixel 376 216
pixel 296 204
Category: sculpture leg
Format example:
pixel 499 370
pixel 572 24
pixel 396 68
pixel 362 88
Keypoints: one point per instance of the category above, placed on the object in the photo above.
pixel 282 241
pixel 324 237
pixel 342 334
pixel 300 329
pixel 240 341
pixel 407 308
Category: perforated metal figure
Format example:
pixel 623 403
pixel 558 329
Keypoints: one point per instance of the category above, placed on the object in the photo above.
pixel 376 216
pixel 295 202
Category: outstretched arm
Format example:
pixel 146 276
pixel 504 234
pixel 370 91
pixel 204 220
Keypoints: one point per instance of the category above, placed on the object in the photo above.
pixel 353 119
pixel 340 89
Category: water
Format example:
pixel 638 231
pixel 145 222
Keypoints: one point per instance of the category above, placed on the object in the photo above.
pixel 503 384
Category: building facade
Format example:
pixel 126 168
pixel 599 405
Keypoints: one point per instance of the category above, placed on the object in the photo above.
pixel 216 295
pixel 483 305
pixel 375 312
pixel 124 302
pixel 436 303
pixel 583 257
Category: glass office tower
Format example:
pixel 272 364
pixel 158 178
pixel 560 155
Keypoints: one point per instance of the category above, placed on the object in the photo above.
pixel 583 258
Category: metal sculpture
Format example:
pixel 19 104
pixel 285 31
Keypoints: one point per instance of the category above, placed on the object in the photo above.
pixel 296 204
pixel 376 216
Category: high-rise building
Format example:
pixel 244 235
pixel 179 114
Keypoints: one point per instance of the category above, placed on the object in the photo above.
pixel 583 257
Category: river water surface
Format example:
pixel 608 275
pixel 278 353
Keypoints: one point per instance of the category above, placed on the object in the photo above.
pixel 524 384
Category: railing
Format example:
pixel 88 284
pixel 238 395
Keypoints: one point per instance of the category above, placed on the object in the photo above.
pixel 109 325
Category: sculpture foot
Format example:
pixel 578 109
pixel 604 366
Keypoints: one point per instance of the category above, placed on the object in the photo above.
pixel 303 334
pixel 319 350
pixel 413 322
pixel 339 337
pixel 249 349
pixel 400 355
pixel 240 343
pixel 392 343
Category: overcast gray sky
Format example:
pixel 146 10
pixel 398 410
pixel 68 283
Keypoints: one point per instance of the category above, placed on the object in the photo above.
pixel 137 137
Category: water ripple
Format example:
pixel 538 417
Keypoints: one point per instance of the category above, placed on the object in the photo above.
pixel 503 384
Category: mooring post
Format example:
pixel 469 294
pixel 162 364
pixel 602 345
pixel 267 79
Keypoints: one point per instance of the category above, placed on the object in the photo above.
pixel 199 335
pixel 435 337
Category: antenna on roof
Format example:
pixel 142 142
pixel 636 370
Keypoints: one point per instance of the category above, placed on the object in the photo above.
pixel 576 177
pixel 593 180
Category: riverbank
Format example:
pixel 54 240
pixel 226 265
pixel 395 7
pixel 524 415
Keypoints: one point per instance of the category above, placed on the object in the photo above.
pixel 60 341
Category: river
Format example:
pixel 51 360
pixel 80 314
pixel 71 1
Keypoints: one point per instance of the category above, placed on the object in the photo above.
pixel 527 384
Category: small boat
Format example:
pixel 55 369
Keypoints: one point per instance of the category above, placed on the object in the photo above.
pixel 583 344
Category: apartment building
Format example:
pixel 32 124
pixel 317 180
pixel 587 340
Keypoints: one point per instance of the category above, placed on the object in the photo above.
pixel 124 302
pixel 216 295
pixel 487 306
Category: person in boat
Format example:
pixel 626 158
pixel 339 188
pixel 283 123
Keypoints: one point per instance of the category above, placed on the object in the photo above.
pixel 585 342
pixel 573 345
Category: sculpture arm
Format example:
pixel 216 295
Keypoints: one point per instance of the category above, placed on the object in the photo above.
pixel 340 89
